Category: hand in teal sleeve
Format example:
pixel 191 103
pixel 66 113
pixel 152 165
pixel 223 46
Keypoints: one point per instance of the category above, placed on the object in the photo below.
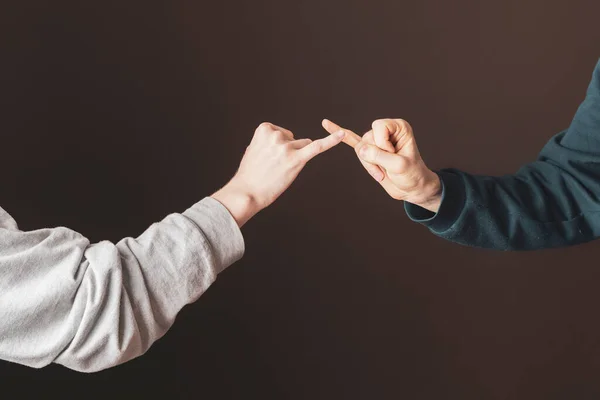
pixel 389 153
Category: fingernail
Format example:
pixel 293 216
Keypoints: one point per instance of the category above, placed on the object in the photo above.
pixel 378 176
pixel 340 134
pixel 362 151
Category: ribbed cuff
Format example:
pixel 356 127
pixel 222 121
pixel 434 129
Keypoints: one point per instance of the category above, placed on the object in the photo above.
pixel 453 202
pixel 220 229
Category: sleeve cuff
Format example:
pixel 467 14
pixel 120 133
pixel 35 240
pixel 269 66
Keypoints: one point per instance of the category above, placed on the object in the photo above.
pixel 453 202
pixel 220 230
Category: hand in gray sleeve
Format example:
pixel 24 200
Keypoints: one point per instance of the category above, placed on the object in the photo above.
pixel 91 307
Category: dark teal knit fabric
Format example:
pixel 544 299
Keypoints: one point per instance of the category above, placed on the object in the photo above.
pixel 552 202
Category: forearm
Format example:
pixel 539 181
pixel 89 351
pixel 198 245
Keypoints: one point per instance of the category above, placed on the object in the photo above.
pixel 537 208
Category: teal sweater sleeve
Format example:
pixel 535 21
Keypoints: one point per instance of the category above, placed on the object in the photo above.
pixel 551 202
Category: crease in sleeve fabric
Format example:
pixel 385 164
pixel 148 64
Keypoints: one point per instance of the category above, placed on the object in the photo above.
pixel 93 306
pixel 551 202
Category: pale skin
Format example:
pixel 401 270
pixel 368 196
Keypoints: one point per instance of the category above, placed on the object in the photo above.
pixel 270 164
pixel 390 155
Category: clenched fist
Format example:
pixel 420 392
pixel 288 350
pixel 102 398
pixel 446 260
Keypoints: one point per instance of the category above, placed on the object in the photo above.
pixel 389 153
pixel 270 164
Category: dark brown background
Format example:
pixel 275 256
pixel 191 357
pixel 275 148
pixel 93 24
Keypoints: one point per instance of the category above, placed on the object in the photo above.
pixel 114 114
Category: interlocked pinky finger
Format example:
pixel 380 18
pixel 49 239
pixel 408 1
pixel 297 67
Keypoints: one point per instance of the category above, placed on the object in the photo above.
pixel 300 143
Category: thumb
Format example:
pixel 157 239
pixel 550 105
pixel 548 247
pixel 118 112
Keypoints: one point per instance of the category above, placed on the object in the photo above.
pixel 391 162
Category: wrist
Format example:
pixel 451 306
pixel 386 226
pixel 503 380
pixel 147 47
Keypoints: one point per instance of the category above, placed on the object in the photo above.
pixel 429 194
pixel 239 201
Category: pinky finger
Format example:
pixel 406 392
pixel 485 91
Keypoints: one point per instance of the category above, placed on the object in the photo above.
pixel 300 143
pixel 319 146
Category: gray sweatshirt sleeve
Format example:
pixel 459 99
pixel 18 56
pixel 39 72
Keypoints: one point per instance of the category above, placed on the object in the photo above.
pixel 93 306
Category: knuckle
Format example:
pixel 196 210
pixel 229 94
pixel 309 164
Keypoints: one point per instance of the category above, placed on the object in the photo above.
pixel 403 124
pixel 367 153
pixel 278 136
pixel 265 127
pixel 360 150
pixel 378 122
